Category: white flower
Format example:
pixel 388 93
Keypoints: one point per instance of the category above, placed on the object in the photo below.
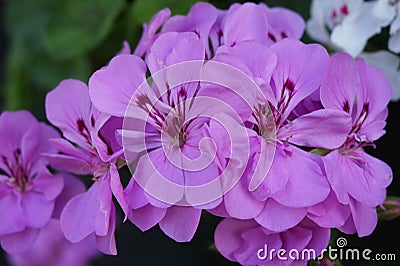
pixel 388 11
pixel 350 22
pixel 388 63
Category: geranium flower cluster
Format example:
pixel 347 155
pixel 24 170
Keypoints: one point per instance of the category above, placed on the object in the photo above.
pixel 347 25
pixel 224 111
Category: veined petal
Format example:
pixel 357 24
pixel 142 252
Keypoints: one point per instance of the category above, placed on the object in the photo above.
pixel 72 116
pixel 240 18
pixel 112 86
pixel 298 72
pixel 146 217
pixel 284 23
pixel 180 223
pixel 320 129
pixel 341 83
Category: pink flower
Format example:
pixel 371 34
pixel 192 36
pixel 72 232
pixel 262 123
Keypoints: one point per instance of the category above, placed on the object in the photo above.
pixel 358 180
pixel 27 189
pixel 248 243
pixel 91 150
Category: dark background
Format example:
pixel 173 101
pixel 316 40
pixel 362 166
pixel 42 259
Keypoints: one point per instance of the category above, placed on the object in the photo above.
pixel 32 63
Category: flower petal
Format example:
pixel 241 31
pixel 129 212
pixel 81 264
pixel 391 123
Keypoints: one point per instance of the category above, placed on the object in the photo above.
pixel 277 217
pixel 146 217
pixel 19 242
pixel 180 223
pixel 112 87
pixel 320 129
pixel 72 114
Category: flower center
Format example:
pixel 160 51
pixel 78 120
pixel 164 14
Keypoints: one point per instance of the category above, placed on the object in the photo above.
pixel 265 126
pixel 17 172
pixel 170 120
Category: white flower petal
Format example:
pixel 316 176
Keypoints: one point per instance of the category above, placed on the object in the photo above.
pixel 384 12
pixel 354 31
pixel 394 42
pixel 316 24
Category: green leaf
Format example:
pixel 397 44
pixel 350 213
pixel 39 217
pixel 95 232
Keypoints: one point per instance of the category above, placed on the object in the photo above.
pixel 48 73
pixel 143 10
pixel 17 93
pixel 77 26
pixel 320 151
pixel 26 21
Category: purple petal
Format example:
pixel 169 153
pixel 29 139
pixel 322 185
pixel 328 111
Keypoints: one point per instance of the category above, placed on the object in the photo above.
pixel 106 244
pixel 126 48
pixel 284 23
pixel 255 239
pixel 72 187
pixel 149 31
pixel 72 114
pixel 19 242
pixel 296 238
pixel 320 129
pixel 359 175
pixel 219 211
pixel 299 69
pixel 48 184
pixel 276 176
pixel 277 217
pixel 320 236
pixel 349 227
pixel 172 47
pixel 134 195
pixel 336 175
pixel 306 184
pixel 146 217
pixel 37 209
pixel 258 58
pixel 240 18
pixel 79 215
pixel 240 203
pixel 180 223
pixel 117 189
pixel 330 213
pixel 365 217
pixel 10 201
pixel 162 180
pixel 112 87
pixel 228 238
pixel 376 90
pixel 12 133
pixel 73 160
pixel 35 142
pixel 340 83
pixel 200 18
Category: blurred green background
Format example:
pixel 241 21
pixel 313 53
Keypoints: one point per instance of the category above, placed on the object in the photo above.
pixel 43 42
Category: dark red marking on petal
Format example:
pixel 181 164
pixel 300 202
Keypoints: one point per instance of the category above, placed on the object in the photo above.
pixel 344 10
pixel 271 37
